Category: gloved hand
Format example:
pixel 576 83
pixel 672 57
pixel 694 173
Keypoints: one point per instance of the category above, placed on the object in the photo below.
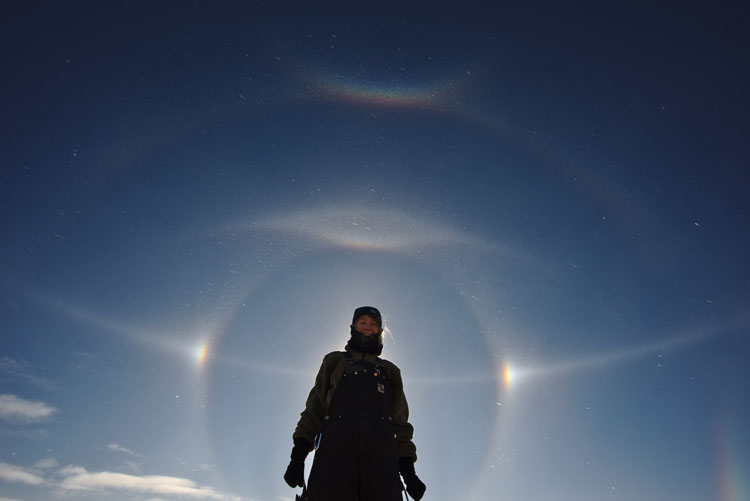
pixel 414 486
pixel 295 472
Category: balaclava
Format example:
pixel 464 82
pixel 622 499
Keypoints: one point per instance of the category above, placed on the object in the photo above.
pixel 367 344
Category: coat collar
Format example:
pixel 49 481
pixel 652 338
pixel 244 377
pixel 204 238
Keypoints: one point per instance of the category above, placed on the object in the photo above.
pixel 358 355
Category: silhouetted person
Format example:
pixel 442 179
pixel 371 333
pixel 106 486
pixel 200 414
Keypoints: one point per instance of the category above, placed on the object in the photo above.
pixel 358 410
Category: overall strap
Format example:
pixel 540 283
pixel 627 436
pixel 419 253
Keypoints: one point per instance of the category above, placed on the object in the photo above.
pixel 379 365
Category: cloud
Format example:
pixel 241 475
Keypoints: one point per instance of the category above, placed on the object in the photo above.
pixel 20 371
pixel 17 410
pixel 47 463
pixel 15 474
pixel 79 479
pixel 132 466
pixel 71 470
pixel 119 448
pixel 75 481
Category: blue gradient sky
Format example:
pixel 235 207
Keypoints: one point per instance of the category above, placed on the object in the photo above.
pixel 549 205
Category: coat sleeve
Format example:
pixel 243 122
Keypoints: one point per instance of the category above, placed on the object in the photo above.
pixel 311 418
pixel 400 416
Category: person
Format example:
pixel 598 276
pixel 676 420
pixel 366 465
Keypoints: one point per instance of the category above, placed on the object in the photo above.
pixel 358 413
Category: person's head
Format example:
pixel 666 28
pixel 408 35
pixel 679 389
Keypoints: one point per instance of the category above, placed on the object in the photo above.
pixel 367 330
pixel 367 321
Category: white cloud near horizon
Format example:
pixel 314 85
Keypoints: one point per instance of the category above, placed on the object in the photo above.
pixel 71 470
pixel 47 463
pixel 16 474
pixel 133 467
pixel 79 479
pixel 72 478
pixel 17 410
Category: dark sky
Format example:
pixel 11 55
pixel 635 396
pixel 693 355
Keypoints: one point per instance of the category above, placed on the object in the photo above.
pixel 548 203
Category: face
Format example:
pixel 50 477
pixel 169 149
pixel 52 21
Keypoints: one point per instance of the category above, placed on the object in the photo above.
pixel 367 325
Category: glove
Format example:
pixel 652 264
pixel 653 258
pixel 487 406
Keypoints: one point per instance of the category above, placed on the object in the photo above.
pixel 414 486
pixel 295 472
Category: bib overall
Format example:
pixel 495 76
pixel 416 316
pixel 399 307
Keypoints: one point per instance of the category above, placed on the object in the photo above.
pixel 356 458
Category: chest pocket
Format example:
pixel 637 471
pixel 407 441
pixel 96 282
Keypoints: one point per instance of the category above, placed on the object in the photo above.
pixel 363 390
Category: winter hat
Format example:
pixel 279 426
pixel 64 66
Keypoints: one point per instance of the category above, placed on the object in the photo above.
pixel 370 311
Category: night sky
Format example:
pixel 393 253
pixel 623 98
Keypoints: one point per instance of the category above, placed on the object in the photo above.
pixel 548 204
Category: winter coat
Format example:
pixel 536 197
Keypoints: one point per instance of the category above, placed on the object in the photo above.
pixel 319 399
